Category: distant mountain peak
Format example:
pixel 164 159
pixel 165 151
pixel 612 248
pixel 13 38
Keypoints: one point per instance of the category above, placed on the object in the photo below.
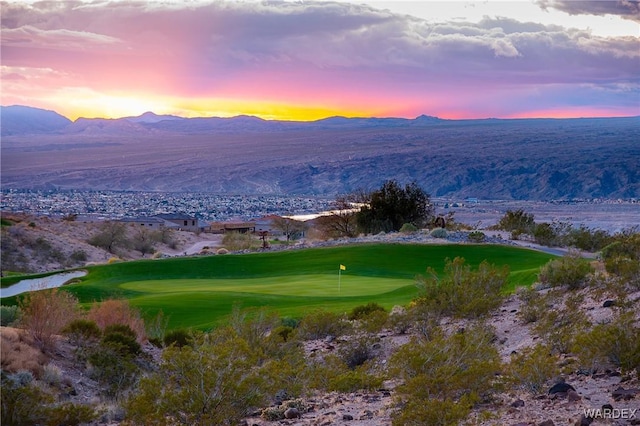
pixel 151 117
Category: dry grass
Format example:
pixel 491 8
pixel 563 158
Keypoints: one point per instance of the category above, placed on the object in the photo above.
pixel 118 311
pixel 18 352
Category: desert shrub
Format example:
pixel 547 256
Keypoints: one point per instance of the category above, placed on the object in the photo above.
pixel 9 315
pixel 408 228
pixel 374 322
pixel 399 320
pixel 156 328
pixel 439 233
pixel 212 382
pixel 320 324
pixel 476 237
pixel 121 338
pixel 78 256
pixel 51 375
pixel 357 351
pixel 587 239
pixel 45 313
pixel 82 332
pixel 235 241
pixel 22 403
pixel 178 337
pixel 17 352
pixel 113 369
pixel 434 412
pixel 571 270
pixel 361 311
pixel 287 374
pixel 463 292
pixel 533 305
pixel 560 324
pixel 455 370
pixel 517 221
pixel 69 414
pixel 283 332
pixel 117 311
pixel 532 368
pixel 355 380
pixel 616 344
pixel 277 413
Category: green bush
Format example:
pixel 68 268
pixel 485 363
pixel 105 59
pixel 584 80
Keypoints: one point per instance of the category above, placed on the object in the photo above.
pixel 463 292
pixel 9 315
pixel 476 237
pixel 560 324
pixel 408 228
pixel 439 233
pixel 213 382
pixel 357 351
pixel 447 372
pixel 124 344
pixel 178 337
pixel 361 311
pixel 115 371
pixel 355 380
pixel 532 368
pixel 533 306
pixel 434 412
pixel 320 324
pixel 571 270
pixel 517 221
pixel 82 332
pixel 616 344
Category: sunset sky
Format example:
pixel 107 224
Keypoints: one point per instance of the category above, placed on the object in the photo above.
pixel 309 60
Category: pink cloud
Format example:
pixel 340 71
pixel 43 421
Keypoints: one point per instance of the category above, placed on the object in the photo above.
pixel 334 55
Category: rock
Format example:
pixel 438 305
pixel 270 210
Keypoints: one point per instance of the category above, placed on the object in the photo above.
pixel 292 413
pixel 584 421
pixel 347 417
pixel 366 415
pixel 572 396
pixel 608 303
pixel 517 403
pixel 547 423
pixel 561 387
pixel 624 394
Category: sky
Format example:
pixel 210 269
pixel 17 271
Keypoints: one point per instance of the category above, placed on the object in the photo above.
pixel 306 60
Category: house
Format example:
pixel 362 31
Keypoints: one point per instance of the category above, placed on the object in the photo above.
pixel 224 227
pixel 149 222
pixel 183 222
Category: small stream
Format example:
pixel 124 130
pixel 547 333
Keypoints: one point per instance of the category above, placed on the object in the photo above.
pixel 43 283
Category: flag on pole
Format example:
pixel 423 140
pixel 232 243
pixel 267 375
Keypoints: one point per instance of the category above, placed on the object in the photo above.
pixel 343 268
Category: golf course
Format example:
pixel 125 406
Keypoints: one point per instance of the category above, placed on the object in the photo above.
pixel 199 292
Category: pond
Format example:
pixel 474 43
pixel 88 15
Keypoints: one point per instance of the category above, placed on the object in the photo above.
pixel 43 283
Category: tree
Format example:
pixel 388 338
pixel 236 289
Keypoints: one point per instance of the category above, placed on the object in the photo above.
pixel 291 228
pixel 111 235
pixel 342 221
pixel 392 206
pixel 143 241
pixel 517 221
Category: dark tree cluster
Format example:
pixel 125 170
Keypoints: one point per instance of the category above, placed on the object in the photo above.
pixel 392 206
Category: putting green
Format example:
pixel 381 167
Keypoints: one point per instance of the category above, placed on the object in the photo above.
pixel 200 292
pixel 291 285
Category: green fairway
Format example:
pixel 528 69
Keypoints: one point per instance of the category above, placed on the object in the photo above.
pixel 200 291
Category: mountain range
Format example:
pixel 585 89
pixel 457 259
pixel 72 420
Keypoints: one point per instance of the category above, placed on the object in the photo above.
pixel 524 159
